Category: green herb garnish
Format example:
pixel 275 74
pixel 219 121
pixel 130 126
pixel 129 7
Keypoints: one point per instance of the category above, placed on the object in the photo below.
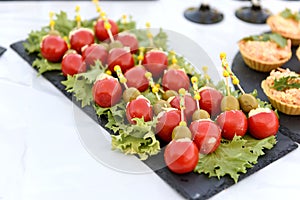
pixel 274 37
pixel 287 14
pixel 287 82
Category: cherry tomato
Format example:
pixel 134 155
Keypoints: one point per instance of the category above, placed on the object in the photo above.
pixel 136 78
pixel 72 63
pixel 94 52
pixel 167 121
pixel 156 62
pixel 181 156
pixel 120 56
pixel 101 32
pixel 190 105
pixel 81 37
pixel 262 123
pixel 53 48
pixel 138 108
pixel 174 79
pixel 129 40
pixel 232 122
pixel 210 100
pixel 206 135
pixel 107 91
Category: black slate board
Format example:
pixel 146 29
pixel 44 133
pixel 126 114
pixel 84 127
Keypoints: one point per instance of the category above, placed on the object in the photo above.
pixel 2 50
pixel 191 185
pixel 251 79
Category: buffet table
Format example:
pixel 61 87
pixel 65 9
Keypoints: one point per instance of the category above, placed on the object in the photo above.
pixel 41 153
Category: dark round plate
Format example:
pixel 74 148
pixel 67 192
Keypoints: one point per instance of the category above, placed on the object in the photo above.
pixel 251 79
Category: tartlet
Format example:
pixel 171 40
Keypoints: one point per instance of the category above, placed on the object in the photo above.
pixel 284 98
pixel 286 24
pixel 264 53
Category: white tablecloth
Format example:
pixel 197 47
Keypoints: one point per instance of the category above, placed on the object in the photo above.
pixel 41 154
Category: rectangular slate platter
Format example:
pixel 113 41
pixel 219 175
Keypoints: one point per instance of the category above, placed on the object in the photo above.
pixel 251 79
pixel 191 185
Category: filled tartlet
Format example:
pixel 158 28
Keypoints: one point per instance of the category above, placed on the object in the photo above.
pixel 286 24
pixel 282 88
pixel 265 52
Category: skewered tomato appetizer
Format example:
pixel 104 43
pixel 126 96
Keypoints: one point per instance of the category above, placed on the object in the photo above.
pixel 190 105
pixel 181 156
pixel 107 91
pixel 232 122
pixel 121 57
pixel 136 78
pixel 206 134
pixel 94 52
pixel 101 32
pixel 139 108
pixel 210 100
pixel 156 62
pixel 72 63
pixel 174 79
pixel 262 123
pixel 81 37
pixel 53 48
pixel 167 121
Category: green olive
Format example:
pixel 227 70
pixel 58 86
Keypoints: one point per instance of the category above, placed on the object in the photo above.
pixel 181 132
pixel 248 102
pixel 115 44
pixel 200 114
pixel 168 94
pixel 159 105
pixel 130 94
pixel 229 103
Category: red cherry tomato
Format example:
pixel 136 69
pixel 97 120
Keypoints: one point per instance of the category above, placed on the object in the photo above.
pixel 190 105
pixel 81 37
pixel 72 63
pixel 181 156
pixel 232 122
pixel 128 40
pixel 206 135
pixel 101 32
pixel 166 123
pixel 156 62
pixel 174 79
pixel 136 78
pixel 53 48
pixel 119 56
pixel 263 123
pixel 94 52
pixel 107 92
pixel 210 100
pixel 139 108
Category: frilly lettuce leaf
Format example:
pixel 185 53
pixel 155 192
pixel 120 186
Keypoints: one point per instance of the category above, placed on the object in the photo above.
pixel 137 139
pixel 233 157
pixel 44 65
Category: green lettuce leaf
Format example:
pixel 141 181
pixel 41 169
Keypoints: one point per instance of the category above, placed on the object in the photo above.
pixel 278 39
pixel 44 65
pixel 91 75
pixel 137 139
pixel 233 157
pixel 288 14
pixel 80 88
pixel 32 43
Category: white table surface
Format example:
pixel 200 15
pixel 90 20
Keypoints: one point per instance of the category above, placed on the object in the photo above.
pixel 41 154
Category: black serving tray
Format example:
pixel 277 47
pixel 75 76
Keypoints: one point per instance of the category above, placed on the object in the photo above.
pixel 191 185
pixel 251 79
